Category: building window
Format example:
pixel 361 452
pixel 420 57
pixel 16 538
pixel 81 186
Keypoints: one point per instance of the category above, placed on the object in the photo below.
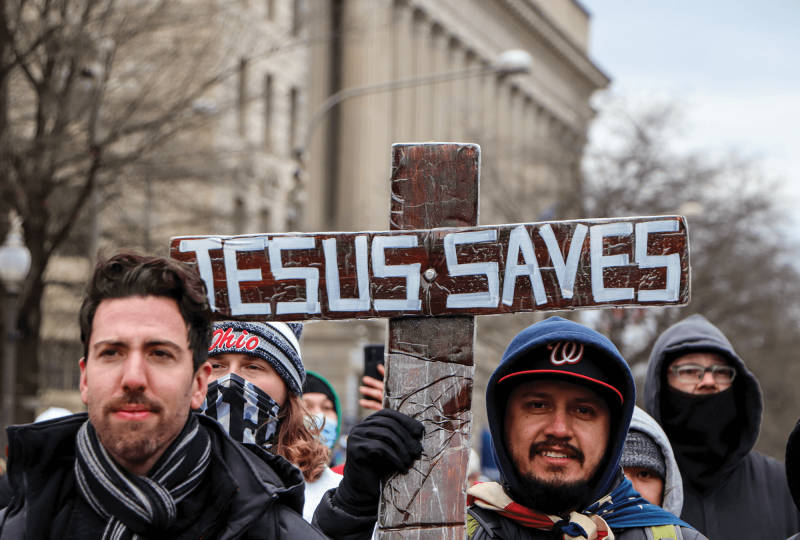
pixel 268 110
pixel 297 16
pixel 238 216
pixel 266 220
pixel 294 107
pixel 242 99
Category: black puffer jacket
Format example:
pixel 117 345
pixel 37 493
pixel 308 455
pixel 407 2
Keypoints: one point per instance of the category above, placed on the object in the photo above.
pixel 749 496
pixel 256 495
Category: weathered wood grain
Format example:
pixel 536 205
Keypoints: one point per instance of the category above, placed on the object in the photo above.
pixel 429 377
pixel 434 185
pixel 430 361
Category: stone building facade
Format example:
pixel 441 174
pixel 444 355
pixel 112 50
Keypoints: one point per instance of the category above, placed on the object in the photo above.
pixel 258 166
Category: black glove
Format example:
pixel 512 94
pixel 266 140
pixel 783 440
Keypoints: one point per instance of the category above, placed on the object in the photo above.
pixel 385 443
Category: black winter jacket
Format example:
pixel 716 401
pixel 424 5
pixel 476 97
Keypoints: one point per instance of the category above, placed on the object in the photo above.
pixel 750 497
pixel 337 523
pixel 267 501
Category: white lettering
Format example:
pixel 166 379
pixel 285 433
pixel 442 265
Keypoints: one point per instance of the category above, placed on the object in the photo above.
pixel 235 276
pixel 518 241
pixel 671 262
pixel 489 269
pixel 599 261
pixel 200 247
pixel 409 271
pixel 565 272
pixel 309 275
pixel 335 300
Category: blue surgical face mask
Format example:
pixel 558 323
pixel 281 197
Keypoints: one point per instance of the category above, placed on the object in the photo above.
pixel 327 427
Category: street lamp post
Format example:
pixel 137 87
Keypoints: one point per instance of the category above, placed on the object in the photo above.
pixel 508 63
pixel 15 262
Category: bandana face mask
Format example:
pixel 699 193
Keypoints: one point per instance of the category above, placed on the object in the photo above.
pixel 327 428
pixel 246 412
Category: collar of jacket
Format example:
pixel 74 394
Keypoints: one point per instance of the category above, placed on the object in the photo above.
pixel 41 470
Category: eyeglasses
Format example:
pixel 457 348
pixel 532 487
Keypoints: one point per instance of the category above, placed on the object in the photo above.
pixel 691 373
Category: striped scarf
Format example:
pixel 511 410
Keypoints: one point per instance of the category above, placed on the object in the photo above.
pixel 140 506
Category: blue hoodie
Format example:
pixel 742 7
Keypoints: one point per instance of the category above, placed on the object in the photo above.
pixel 553 330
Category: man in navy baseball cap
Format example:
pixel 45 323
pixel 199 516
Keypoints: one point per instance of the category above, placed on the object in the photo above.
pixel 559 406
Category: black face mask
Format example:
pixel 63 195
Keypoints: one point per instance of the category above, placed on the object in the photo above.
pixel 245 411
pixel 703 432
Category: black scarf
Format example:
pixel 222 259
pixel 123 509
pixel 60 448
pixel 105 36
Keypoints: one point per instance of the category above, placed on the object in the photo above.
pixel 142 505
pixel 703 432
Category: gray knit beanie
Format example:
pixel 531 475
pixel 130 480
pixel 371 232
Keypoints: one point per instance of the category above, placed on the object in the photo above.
pixel 642 451
pixel 275 342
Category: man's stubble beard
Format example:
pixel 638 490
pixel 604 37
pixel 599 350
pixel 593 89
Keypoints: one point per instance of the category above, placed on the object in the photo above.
pixel 134 442
pixel 555 496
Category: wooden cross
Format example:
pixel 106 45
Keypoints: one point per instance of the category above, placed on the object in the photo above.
pixel 431 274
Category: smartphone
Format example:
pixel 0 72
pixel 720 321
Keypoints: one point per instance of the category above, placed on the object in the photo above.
pixel 373 355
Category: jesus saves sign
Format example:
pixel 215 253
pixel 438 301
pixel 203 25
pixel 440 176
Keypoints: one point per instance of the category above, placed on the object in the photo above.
pixel 481 270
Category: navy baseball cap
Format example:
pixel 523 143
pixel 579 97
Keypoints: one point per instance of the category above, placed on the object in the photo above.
pixel 569 361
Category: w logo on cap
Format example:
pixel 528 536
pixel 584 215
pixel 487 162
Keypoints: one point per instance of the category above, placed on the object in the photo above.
pixel 565 352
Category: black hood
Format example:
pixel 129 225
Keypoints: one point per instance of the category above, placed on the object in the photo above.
pixel 793 464
pixel 696 334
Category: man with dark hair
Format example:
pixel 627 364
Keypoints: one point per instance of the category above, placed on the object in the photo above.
pixel 141 464
pixel 709 404
pixel 129 275
pixel 559 406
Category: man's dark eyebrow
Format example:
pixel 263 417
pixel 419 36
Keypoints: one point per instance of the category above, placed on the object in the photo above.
pixel 162 343
pixel 109 342
pixel 542 394
pixel 536 393
pixel 153 343
pixel 589 400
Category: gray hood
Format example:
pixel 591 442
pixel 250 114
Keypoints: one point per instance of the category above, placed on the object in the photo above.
pixel 673 485
pixel 696 334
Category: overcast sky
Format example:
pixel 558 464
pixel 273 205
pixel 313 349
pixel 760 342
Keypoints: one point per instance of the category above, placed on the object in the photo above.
pixel 733 65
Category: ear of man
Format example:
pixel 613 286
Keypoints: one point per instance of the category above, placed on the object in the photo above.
pixel 200 384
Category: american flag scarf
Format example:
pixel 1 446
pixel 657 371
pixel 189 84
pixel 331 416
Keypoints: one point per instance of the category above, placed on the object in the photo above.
pixel 140 506
pixel 492 496
pixel 621 509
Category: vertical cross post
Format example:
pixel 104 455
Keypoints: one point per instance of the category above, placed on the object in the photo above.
pixel 430 360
